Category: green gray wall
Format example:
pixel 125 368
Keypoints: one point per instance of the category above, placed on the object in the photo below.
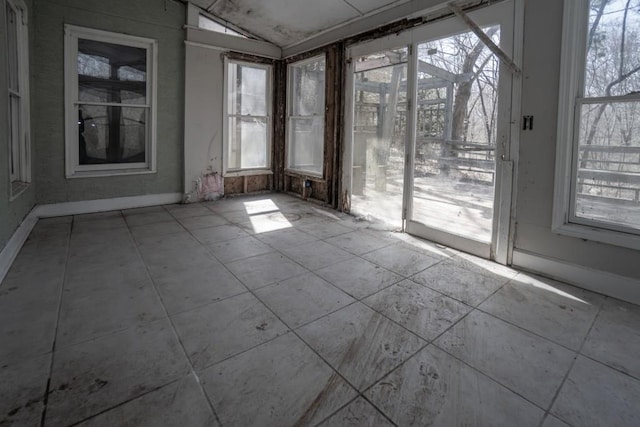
pixel 541 81
pixel 162 20
pixel 12 212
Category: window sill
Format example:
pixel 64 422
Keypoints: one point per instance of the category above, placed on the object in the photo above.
pixel 17 188
pixel 601 235
pixel 248 172
pixel 106 173
pixel 311 175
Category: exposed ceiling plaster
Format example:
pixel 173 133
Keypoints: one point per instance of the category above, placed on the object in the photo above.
pixel 287 22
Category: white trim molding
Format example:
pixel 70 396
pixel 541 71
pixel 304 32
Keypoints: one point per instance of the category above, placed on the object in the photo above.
pixel 13 246
pixel 571 95
pixel 73 168
pixel 610 284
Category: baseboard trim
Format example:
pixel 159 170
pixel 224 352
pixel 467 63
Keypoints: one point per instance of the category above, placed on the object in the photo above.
pixel 613 285
pixel 102 205
pixel 15 243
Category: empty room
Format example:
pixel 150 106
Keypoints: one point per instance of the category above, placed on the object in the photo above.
pixel 336 213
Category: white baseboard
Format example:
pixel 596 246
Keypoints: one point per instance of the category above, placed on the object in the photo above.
pixel 613 285
pixel 13 246
pixel 102 205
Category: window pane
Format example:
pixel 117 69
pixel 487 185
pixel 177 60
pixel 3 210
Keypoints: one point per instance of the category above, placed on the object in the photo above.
pixel 608 163
pixel 248 143
pixel 12 46
pixel 247 90
pixel 308 88
pixel 111 134
pixel 306 144
pixel 381 59
pixel 110 72
pixel 211 25
pixel 613 48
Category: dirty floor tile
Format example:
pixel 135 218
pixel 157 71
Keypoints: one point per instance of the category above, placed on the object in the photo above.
pixel 467 286
pixel 433 388
pixel 357 413
pixel 360 344
pixel 615 337
pixel 96 375
pixel 217 331
pixel 424 312
pixel 358 277
pixel 527 364
pixel 279 383
pixel 400 260
pixel 302 299
pixel 179 403
pixel 596 395
pixel 316 255
pixel 22 390
pixel 265 269
pixel 551 309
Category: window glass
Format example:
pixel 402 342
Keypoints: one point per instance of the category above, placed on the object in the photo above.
pixel 305 143
pixel 606 174
pixel 109 111
pixel 248 110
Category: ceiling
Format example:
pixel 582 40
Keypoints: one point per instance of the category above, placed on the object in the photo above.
pixel 287 22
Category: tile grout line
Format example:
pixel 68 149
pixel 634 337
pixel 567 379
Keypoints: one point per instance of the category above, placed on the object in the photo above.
pixel 573 363
pixel 55 333
pixel 173 328
pixel 292 331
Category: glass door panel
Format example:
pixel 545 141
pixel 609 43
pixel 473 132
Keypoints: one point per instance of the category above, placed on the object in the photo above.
pixel 379 129
pixel 454 168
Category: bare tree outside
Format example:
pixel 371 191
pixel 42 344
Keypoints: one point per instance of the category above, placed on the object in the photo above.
pixel 608 141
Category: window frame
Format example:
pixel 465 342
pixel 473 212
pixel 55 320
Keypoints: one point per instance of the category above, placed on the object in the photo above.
pixel 571 96
pixel 290 117
pixel 19 154
pixel 73 169
pixel 267 169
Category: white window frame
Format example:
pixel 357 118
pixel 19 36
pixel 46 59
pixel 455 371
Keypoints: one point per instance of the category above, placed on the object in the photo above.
pixel 20 148
pixel 290 93
pixel 73 168
pixel 572 74
pixel 226 170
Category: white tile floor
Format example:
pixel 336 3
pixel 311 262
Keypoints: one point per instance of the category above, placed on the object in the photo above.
pixel 271 311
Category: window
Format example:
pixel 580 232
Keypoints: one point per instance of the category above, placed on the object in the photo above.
pixel 305 141
pixel 110 83
pixel 248 116
pixel 598 167
pixel 18 102
pixel 209 24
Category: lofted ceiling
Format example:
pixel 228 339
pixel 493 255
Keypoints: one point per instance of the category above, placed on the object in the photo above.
pixel 287 22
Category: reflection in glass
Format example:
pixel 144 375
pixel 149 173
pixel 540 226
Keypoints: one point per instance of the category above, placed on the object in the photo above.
pixel 111 134
pixel 379 130
pixel 112 81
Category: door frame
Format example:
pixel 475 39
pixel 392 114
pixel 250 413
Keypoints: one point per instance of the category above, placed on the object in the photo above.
pixel 507 145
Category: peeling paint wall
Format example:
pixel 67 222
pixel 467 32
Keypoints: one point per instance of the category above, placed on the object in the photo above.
pixel 162 21
pixel 12 212
pixel 204 86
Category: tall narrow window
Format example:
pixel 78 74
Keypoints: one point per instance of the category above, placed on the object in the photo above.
pixel 305 142
pixel 600 111
pixel 18 79
pixel 248 116
pixel 110 103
